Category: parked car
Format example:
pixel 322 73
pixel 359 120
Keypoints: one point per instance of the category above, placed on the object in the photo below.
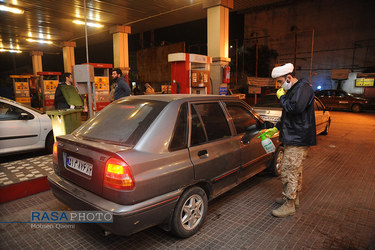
pixel 269 109
pixel 158 159
pixel 339 99
pixel 23 128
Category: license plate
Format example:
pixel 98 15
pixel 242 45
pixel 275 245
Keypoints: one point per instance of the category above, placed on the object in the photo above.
pixel 79 165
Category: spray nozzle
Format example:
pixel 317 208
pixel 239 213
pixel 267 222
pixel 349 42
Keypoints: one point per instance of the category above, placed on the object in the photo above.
pixel 263 136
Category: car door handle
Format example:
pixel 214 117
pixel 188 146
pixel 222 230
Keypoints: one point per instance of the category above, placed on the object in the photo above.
pixel 203 154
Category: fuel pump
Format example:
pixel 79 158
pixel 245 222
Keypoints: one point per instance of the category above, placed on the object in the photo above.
pixel 48 82
pixel 190 73
pixel 101 80
pixel 21 86
pixel 83 76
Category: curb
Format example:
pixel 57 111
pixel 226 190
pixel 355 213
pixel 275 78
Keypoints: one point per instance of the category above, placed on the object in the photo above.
pixel 23 189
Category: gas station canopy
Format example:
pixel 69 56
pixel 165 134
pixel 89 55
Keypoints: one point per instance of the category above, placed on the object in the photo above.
pixel 46 24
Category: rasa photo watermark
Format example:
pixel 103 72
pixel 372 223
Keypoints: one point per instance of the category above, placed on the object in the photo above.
pixel 71 217
pixel 59 226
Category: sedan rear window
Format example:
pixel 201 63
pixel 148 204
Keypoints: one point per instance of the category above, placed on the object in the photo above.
pixel 123 122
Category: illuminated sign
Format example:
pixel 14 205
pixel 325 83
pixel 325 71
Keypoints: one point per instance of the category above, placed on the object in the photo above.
pixel 101 83
pixel 364 82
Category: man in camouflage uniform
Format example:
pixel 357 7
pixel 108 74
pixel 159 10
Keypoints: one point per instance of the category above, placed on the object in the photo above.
pixel 291 173
pixel 297 133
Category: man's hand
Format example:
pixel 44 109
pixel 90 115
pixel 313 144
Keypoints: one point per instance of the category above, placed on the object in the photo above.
pixel 270 132
pixel 280 93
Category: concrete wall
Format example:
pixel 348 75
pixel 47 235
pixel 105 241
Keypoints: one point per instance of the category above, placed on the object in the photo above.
pixel 344 36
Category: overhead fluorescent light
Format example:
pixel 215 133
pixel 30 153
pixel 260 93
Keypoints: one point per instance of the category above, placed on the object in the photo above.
pixel 10 50
pixel 91 24
pixel 15 51
pixel 38 41
pixel 11 9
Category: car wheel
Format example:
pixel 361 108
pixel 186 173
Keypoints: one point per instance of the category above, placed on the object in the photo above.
pixel 325 132
pixel 190 212
pixel 49 143
pixel 275 166
pixel 356 108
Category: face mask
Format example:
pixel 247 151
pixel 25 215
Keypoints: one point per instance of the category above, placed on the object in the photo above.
pixel 286 85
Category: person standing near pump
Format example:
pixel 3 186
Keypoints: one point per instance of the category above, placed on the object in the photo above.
pixel 297 133
pixel 60 101
pixel 121 88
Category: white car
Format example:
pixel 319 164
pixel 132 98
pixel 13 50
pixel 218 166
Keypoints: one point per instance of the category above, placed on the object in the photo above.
pixel 23 128
pixel 270 110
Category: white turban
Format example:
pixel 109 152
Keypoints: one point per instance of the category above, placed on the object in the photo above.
pixel 282 70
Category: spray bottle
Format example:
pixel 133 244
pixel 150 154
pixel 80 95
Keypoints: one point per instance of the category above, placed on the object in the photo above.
pixel 267 143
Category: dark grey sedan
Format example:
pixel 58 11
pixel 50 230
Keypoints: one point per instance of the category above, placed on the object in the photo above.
pixel 158 159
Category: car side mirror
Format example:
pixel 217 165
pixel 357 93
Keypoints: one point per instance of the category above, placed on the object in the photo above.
pixel 268 124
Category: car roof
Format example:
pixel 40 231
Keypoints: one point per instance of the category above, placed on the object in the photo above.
pixel 268 97
pixel 185 97
pixel 6 99
pixel 21 105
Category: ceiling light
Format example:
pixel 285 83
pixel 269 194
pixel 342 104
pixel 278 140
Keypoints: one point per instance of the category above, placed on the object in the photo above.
pixel 10 50
pixel 78 22
pixel 97 25
pixel 77 13
pixel 38 41
pixel 11 9
pixel 15 51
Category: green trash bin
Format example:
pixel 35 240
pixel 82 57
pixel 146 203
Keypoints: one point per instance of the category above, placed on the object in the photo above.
pixel 67 120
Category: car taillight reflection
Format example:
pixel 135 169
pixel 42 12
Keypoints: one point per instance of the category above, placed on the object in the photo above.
pixel 117 175
pixel 54 152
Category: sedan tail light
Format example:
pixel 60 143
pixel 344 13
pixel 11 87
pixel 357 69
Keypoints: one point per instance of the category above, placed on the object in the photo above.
pixel 54 152
pixel 117 175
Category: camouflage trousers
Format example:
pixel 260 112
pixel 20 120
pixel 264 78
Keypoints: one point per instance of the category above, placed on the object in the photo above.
pixel 291 170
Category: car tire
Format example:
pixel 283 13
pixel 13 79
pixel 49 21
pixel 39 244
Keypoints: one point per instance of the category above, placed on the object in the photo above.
pixel 190 212
pixel 275 167
pixel 356 108
pixel 326 130
pixel 49 143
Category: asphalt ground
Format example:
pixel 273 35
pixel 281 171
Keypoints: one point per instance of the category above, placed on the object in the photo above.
pixel 337 206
